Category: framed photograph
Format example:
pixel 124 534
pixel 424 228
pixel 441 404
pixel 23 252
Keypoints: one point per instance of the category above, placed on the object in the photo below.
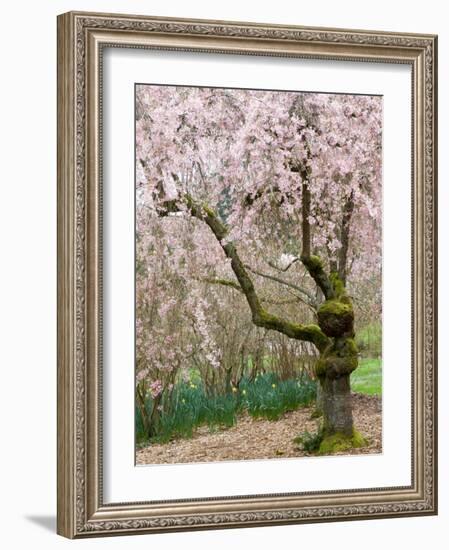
pixel 246 274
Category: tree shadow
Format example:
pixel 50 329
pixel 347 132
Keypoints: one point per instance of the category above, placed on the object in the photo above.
pixel 46 522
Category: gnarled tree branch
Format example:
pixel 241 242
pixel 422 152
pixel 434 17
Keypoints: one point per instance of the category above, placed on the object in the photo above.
pixel 287 267
pixel 261 318
pixel 348 209
pixel 236 286
pixel 219 281
pixel 312 263
pixel 283 282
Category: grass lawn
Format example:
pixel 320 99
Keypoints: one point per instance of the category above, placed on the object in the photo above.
pixel 367 378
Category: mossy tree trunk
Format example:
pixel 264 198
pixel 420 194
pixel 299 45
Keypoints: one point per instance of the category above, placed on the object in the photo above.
pixel 334 334
pixel 336 320
pixel 337 361
pixel 336 406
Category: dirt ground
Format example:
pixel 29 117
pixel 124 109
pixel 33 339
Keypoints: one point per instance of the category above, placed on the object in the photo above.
pixel 259 439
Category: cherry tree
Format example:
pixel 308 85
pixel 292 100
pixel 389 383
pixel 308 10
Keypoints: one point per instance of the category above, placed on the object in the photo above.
pixel 249 190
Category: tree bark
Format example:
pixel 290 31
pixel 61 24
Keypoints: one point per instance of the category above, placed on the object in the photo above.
pixel 344 237
pixel 318 411
pixel 336 362
pixel 337 406
pixel 143 412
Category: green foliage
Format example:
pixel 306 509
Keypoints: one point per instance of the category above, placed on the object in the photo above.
pixel 268 397
pixel 140 432
pixel 189 406
pixel 367 378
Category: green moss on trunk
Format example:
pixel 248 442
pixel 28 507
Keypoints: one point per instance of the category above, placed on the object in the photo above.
pixel 336 318
pixel 339 442
pixel 333 369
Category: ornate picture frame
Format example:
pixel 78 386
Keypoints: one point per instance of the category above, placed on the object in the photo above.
pixel 82 40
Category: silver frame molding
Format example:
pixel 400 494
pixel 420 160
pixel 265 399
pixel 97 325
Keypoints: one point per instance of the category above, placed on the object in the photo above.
pixel 81 38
